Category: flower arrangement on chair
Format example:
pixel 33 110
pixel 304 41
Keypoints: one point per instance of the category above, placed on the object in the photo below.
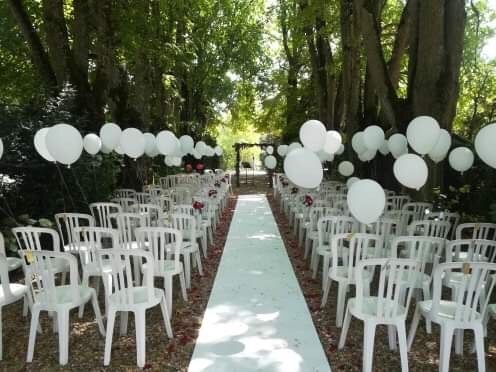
pixel 188 168
pixel 197 205
pixel 308 200
pixel 212 193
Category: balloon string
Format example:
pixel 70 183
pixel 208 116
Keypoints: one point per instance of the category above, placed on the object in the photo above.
pixel 79 186
pixel 94 177
pixel 64 184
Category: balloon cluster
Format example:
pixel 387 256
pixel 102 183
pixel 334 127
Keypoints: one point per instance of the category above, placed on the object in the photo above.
pixel 64 144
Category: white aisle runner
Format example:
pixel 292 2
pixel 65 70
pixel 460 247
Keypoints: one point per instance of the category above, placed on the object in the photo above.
pixel 256 318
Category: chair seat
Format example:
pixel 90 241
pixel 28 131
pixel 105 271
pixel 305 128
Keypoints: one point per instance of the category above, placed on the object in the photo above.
pixel 64 296
pixel 370 306
pixel 135 297
pixel 188 248
pixel 94 268
pixel 447 310
pixel 17 290
pixel 164 267
pixel 341 274
pixel 13 263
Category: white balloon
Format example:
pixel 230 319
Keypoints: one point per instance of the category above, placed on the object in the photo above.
pixel 187 143
pixel 313 135
pixel 423 133
pixel 357 143
pixel 341 150
pixel 293 146
pixel 110 134
pixel 40 144
pixel 92 143
pixel 461 159
pixel 270 150
pixel 168 160
pixel 442 146
pixel 282 150
pixel 119 150
pixel 218 151
pixel 398 144
pixel 197 154
pixel 384 149
pixel 150 145
pixel 303 168
pixel 411 171
pixel 64 143
pixel 346 168
pixel 270 161
pixel 105 150
pixel 373 137
pixel 366 200
pixel 209 152
pixel 132 142
pixel 332 142
pixel 176 161
pixel 485 144
pixel 325 156
pixel 1 148
pixel 167 142
pixel 200 147
pixel 351 181
pixel 367 155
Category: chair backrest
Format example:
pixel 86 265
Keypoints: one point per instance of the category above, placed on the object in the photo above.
pixel 126 224
pixel 2 245
pixel 452 217
pixel 397 201
pixel 162 242
pixel 67 222
pixel 471 250
pixel 152 213
pixel 125 203
pixel 101 212
pixel 124 193
pixel 418 208
pixel 143 197
pixel 32 238
pixel 476 230
pixel 316 212
pixel 437 229
pixel 384 227
pixel 361 246
pixel 166 204
pixel 181 195
pixel 328 226
pixel 4 278
pixel 41 268
pixel 94 240
pixel 393 292
pixel 123 290
pixel 475 278
pixel 186 224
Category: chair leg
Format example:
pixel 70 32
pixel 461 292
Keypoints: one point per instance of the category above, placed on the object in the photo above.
pixel 187 269
pixel 25 307
pixel 198 262
pixel 344 331
pixel 325 270
pixel 307 247
pixel 35 317
pixel 368 346
pixel 85 282
pixel 108 336
pixel 204 244
pixel 459 342
pixel 168 292
pixel 1 335
pixel 403 346
pixel 341 302
pixel 392 337
pixel 139 320
pixel 182 281
pixel 479 347
pixel 413 327
pixel 326 293
pixel 166 317
pixel 446 340
pixel 63 323
pixel 124 316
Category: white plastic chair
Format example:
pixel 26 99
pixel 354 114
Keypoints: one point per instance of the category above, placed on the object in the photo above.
pixel 436 229
pixel 389 306
pixel 476 230
pixel 452 217
pixel 201 230
pixel 165 245
pixel 9 292
pixel 152 214
pixel 143 197
pixel 60 299
pixel 418 208
pixel 460 313
pixel 102 211
pixel 125 298
pixel 13 263
pixel 360 247
pixel 67 222
pixel 126 203
pixel 125 193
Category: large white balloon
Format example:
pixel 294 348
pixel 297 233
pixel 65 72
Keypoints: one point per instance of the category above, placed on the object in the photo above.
pixel 442 146
pixel 282 150
pixel 350 181
pixel 270 161
pixel 118 150
pixel 110 134
pixel 219 152
pixel 168 160
pixel 293 146
pixel 333 142
pixel 366 200
pixel 105 150
pixel 313 135
pixel 303 168
pixel 422 134
pixel 411 171
pixel 40 144
pixel 346 168
pixel 64 143
pixel 398 144
pixel 461 159
pixel 133 142
pixel 341 150
pixel 384 149
pixel 373 137
pixel 200 147
pixel 176 161
pixel 367 155
pixel 485 144
pixel 270 150
pixel 92 143
pixel 1 148
pixel 325 156
pixel 357 143
pixel 167 142
pixel 150 145
pixel 187 143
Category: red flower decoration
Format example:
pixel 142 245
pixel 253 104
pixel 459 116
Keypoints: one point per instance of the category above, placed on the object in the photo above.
pixel 198 205
pixel 188 168
pixel 200 166
pixel 308 201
